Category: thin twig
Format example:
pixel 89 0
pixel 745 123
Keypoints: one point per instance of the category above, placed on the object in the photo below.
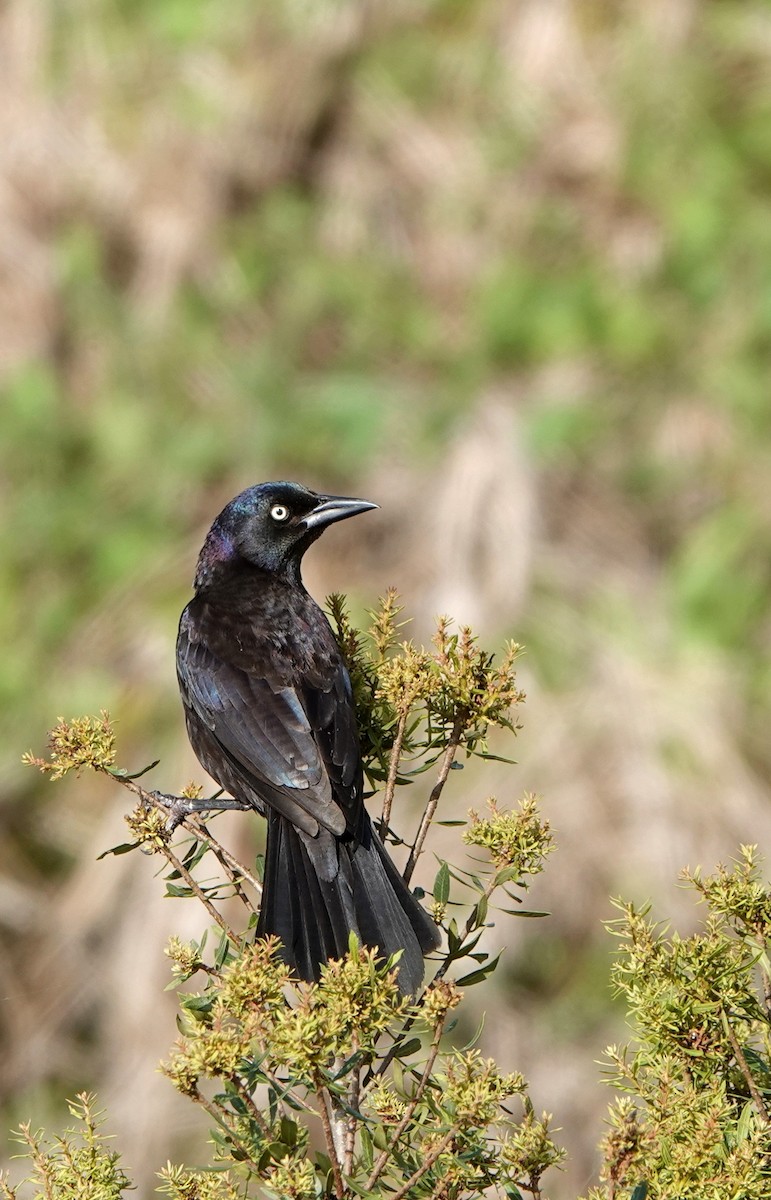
pixel 379 1166
pixel 338 1120
pixel 196 888
pixel 758 1100
pixel 352 1122
pixel 282 1090
pixel 145 796
pixel 218 1116
pixel 228 860
pixel 766 990
pixel 254 1111
pixel 229 864
pixel 438 1150
pixel 393 771
pixel 329 1136
pixel 436 791
pixel 338 1115
pixel 468 928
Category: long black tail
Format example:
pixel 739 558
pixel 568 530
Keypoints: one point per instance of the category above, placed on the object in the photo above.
pixel 317 890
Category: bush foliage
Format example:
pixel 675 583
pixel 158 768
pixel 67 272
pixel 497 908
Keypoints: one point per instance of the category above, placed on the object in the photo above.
pixel 401 1108
pixel 346 1088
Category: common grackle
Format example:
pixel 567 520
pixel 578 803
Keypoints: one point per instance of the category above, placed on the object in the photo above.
pixel 270 716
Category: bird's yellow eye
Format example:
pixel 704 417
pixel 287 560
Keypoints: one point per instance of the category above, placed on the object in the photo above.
pixel 279 512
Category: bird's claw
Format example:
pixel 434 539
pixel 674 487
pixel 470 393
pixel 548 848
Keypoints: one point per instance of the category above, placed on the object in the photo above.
pixel 177 807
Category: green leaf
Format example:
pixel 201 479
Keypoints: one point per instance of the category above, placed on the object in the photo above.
pixel 220 1139
pixel 640 1192
pixel 323 1164
pixel 222 953
pixel 380 1138
pixel 470 879
pixel 288 1131
pixel 480 911
pixel 464 949
pixel 173 889
pixel 746 1121
pixel 197 1006
pixel 480 974
pixel 122 773
pixel 476 1035
pixel 123 848
pixel 367 1147
pixel 507 875
pixel 194 854
pixel 759 1066
pixel 350 1062
pixel 442 884
pixel 453 940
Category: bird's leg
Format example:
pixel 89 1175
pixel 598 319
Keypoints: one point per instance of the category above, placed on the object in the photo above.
pixel 180 807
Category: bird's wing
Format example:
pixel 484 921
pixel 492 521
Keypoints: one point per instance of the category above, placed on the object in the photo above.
pixel 332 716
pixel 295 749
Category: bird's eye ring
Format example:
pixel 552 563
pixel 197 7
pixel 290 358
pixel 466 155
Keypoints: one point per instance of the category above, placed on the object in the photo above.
pixel 279 512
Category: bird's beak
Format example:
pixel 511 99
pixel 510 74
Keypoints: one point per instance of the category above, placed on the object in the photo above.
pixel 335 508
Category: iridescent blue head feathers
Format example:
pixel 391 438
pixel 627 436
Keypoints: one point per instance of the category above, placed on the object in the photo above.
pixel 270 526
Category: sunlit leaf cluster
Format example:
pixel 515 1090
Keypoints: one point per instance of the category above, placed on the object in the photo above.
pixel 79 1165
pixel 419 700
pixel 695 1121
pixel 77 744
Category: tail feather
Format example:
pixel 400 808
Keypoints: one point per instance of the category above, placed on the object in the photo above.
pixel 322 909
pixel 425 929
pixel 275 908
pixel 309 934
pixel 319 890
pixel 388 914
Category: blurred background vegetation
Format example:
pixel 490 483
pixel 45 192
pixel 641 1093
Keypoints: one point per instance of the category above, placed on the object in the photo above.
pixel 504 267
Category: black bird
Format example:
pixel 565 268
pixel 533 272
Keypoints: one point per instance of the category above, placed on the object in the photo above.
pixel 270 716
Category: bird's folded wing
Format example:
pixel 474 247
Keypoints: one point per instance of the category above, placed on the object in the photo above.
pixel 332 715
pixel 267 735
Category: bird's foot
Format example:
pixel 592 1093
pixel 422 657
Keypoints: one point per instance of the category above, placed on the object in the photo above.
pixel 179 807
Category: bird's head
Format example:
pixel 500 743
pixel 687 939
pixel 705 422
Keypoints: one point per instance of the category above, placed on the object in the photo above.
pixel 270 526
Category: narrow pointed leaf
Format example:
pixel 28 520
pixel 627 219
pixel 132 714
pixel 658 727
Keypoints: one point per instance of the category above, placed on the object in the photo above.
pixel 442 884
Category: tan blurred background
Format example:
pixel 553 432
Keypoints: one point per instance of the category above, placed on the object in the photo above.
pixel 504 267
